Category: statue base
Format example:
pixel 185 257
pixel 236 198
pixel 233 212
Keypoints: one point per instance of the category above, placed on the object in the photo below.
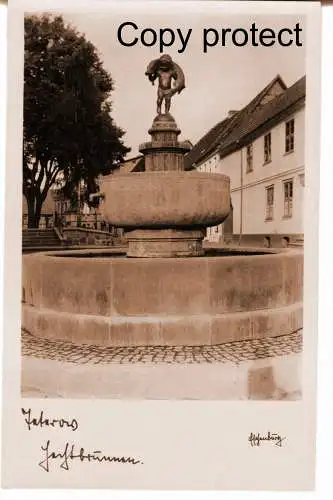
pixel 164 152
pixel 165 243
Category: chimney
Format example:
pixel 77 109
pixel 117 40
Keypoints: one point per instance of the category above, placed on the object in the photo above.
pixel 232 112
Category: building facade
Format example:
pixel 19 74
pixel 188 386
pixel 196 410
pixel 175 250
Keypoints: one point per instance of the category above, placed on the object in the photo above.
pixel 261 149
pixel 58 210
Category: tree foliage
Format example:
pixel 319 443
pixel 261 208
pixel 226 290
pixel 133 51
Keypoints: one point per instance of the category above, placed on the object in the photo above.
pixel 69 134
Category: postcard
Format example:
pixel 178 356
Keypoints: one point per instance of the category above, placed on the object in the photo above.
pixel 161 226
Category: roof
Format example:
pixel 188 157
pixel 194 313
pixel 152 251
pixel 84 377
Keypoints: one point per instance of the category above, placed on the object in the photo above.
pixel 203 147
pixel 230 131
pixel 134 164
pixel 267 115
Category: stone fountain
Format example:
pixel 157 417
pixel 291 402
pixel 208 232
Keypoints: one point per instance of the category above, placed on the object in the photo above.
pixel 165 210
pixel 167 290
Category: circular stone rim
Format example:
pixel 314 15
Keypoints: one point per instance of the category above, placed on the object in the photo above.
pixel 166 173
pixel 189 326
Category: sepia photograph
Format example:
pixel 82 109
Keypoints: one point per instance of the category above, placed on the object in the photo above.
pixel 161 229
pixel 162 215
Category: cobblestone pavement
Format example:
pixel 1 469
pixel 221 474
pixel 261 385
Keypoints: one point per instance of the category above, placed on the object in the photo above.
pixel 232 352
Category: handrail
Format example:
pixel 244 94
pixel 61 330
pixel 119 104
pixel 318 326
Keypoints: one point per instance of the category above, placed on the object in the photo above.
pixel 85 229
pixel 58 233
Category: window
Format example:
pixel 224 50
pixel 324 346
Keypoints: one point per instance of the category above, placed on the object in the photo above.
pixel 249 158
pixel 269 202
pixel 290 135
pixel 288 198
pixel 267 148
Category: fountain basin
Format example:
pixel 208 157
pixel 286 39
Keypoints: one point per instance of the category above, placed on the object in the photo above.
pixel 165 199
pixel 108 299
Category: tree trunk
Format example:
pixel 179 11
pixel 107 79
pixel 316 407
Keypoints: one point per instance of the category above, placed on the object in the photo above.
pixel 34 211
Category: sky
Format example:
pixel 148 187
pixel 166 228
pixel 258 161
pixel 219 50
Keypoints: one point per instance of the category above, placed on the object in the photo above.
pixel 223 79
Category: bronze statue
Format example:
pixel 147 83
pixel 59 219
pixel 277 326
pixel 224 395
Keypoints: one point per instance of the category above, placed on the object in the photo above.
pixel 165 69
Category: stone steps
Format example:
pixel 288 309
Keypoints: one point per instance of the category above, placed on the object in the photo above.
pixel 40 238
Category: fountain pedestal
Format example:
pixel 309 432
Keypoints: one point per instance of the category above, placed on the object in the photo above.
pixel 165 243
pixel 164 152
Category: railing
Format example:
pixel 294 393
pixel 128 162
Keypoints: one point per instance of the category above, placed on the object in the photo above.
pixel 60 236
pixel 86 236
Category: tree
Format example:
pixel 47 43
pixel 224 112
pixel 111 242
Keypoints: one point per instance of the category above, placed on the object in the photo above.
pixel 68 132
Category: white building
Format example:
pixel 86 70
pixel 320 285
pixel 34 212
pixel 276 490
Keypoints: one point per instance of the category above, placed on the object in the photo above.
pixel 261 149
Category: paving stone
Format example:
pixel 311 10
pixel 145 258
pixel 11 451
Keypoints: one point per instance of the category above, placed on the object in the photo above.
pixel 232 352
